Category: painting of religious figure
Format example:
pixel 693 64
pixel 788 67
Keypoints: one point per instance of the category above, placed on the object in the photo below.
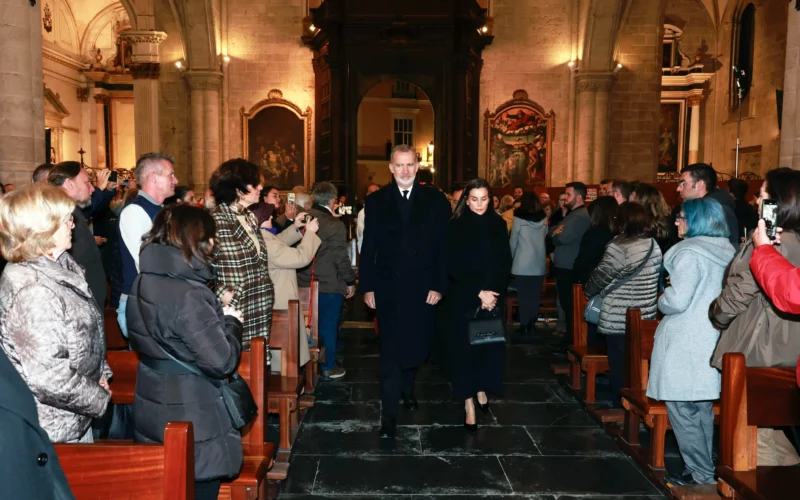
pixel 276 139
pixel 671 137
pixel 519 135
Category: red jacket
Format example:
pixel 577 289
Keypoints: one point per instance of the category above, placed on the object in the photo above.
pixel 780 280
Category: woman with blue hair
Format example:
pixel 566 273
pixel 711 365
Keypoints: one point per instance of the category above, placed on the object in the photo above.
pixel 680 368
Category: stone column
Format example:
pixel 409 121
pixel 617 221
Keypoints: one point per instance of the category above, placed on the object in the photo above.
pixel 694 128
pixel 22 144
pixel 145 71
pixel 100 156
pixel 85 137
pixel 790 123
pixel 603 87
pixel 205 86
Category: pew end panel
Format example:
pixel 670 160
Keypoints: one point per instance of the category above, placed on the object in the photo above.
pixel 752 398
pixel 104 469
pixel 284 389
pixel 583 359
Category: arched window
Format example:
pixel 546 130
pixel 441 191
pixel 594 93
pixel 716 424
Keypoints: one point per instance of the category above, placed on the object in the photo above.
pixel 742 56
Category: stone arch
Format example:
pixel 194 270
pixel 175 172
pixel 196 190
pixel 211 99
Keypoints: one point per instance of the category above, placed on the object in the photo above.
pixel 127 5
pixel 599 34
pixel 367 83
pixel 198 32
pixel 98 23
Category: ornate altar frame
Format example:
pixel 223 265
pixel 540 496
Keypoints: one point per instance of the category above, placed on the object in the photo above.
pixel 275 99
pixel 520 100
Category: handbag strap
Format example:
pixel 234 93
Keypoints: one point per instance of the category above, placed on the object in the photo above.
pixel 635 273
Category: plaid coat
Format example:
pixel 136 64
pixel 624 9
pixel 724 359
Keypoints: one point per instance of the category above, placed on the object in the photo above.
pixel 242 267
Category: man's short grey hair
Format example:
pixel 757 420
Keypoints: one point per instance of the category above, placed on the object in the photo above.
pixel 324 193
pixel 302 200
pixel 404 148
pixel 150 163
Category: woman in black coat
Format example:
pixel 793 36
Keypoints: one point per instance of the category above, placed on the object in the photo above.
pixel 479 266
pixel 172 312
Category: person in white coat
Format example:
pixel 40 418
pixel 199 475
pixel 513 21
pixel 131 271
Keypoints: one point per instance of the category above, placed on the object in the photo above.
pixel 680 368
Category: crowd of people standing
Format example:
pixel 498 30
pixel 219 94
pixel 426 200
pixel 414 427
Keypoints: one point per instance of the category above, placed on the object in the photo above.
pixel 193 281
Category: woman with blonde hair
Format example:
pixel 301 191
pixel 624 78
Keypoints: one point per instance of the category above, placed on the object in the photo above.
pixel 506 210
pixel 50 327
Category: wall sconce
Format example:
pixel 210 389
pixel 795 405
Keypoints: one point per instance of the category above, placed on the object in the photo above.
pixel 227 59
pixel 312 28
pixel 617 68
pixel 430 151
pixel 573 66
pixel 485 29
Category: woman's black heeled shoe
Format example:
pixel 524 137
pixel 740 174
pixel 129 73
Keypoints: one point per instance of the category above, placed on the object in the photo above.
pixel 471 428
pixel 484 408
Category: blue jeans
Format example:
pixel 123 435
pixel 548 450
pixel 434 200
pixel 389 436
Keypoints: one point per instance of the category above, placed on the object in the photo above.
pixel 330 309
pixel 121 319
pixel 693 424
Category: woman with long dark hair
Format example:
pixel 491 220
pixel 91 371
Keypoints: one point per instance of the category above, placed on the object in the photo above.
pixel 528 232
pixel 479 263
pixel 172 314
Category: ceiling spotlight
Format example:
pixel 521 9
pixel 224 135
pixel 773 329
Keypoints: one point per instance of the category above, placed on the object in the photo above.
pixel 226 58
pixel 312 28
pixel 485 29
pixel 178 64
pixel 617 68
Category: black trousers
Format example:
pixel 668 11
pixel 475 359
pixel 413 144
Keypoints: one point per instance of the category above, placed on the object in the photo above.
pixel 529 294
pixel 616 367
pixel 564 289
pixel 206 490
pixel 394 382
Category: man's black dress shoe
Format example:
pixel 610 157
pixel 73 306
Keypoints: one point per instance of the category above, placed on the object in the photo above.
pixel 388 429
pixel 410 402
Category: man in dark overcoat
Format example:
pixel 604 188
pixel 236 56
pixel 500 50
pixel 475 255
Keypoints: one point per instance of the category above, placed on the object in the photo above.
pixel 403 276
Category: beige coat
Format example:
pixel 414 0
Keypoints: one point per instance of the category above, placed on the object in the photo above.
pixel 284 260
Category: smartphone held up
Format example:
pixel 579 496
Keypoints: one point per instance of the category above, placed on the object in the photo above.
pixel 769 212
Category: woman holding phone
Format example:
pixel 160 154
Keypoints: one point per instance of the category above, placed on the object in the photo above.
pixel 749 321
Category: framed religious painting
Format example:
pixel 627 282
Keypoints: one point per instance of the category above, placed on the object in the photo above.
pixel 519 137
pixel 276 136
pixel 671 136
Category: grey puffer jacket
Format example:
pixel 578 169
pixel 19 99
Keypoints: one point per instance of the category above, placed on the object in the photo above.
pixel 53 334
pixel 622 257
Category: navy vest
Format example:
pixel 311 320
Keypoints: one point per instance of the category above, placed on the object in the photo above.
pixel 129 272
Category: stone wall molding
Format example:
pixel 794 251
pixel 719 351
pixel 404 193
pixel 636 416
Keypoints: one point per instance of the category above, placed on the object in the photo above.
pixel 595 82
pixel 153 37
pixel 204 80
pixel 149 70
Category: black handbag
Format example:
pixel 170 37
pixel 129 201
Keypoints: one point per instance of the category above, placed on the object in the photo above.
pixel 234 392
pixel 486 330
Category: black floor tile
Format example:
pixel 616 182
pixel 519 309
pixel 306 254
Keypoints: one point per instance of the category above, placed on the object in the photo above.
pixel 451 413
pixel 423 392
pixel 417 475
pixel 302 471
pixel 363 413
pixel 575 475
pixel 589 441
pixel 333 392
pixel 489 440
pixel 546 414
pixel 545 392
pixel 333 439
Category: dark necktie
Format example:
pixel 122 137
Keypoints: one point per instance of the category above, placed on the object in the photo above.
pixel 405 194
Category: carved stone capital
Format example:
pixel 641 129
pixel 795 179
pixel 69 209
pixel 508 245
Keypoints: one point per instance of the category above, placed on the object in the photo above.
pixel 145 71
pixel 694 100
pixel 102 99
pixel 83 94
pixel 152 37
pixel 595 82
pixel 204 80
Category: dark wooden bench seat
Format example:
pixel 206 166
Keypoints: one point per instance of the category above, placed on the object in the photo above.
pixel 752 398
pixel 123 469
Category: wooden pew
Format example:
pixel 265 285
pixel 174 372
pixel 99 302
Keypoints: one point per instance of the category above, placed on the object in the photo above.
pixel 752 398
pixel 259 455
pixel 114 339
pixel 122 469
pixel 284 389
pixel 309 299
pixel 639 341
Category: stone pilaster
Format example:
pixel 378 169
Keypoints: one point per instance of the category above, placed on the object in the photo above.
pixel 592 145
pixel 22 145
pixel 790 119
pixel 694 128
pixel 205 87
pixel 100 153
pixel 86 108
pixel 145 71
